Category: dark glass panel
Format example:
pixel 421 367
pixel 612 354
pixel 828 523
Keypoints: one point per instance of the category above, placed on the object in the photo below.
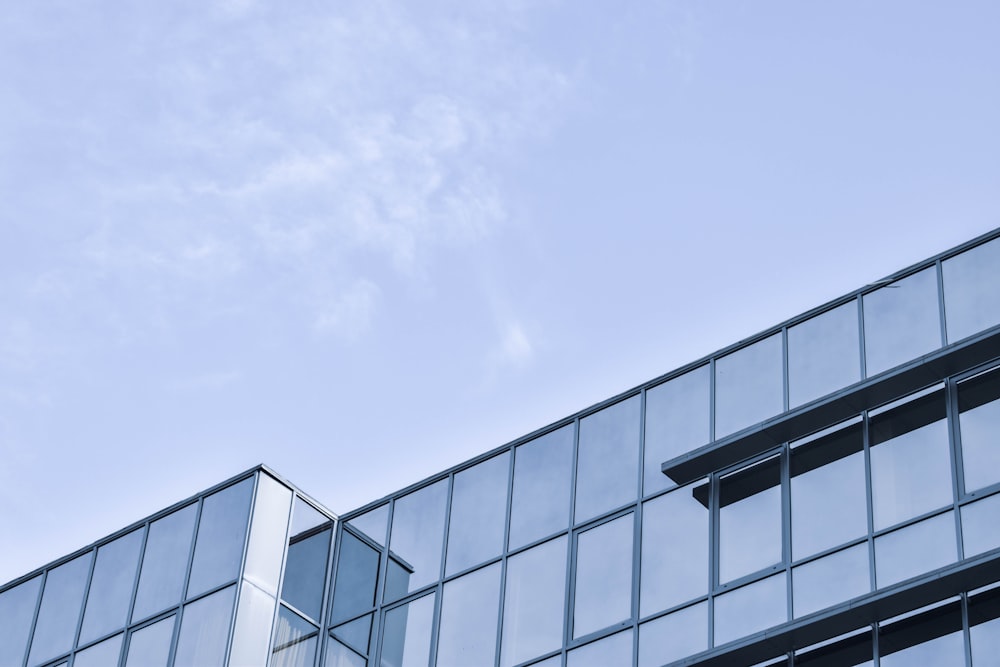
pixel 902 321
pixel 750 609
pixel 406 634
pixel 929 639
pixel 205 630
pixel 543 471
pixel 305 571
pixel 17 610
pixel 603 576
pixel 373 524
pixel 534 602
pixel 164 563
pixel 295 641
pixel 478 513
pixel 105 654
pixel 824 354
pixel 338 655
pixel 972 290
pixel 62 599
pixel 750 519
pixel 150 646
pixel 829 505
pixel 979 416
pixel 748 386
pixel 915 549
pixel 470 608
pixel 674 636
pixel 910 459
pixel 824 582
pixel 416 540
pixel 357 576
pixel 608 466
pixel 222 532
pixel 613 650
pixel 843 652
pixel 111 586
pixel 356 633
pixel 984 628
pixel 677 420
pixel 979 526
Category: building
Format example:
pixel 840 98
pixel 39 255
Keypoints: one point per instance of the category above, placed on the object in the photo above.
pixel 824 493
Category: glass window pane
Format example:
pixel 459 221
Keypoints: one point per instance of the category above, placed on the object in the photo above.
pixel 338 655
pixel 105 654
pixel 831 579
pixel 406 634
pixel 603 576
pixel 150 646
pixel 252 630
pixel 221 534
pixel 613 650
pixel 62 599
pixel 677 421
pixel 416 540
pixel 674 548
pixel 533 602
pixel 357 576
pixel 824 354
pixel 608 467
pixel 17 610
pixel 902 321
pixel 750 609
pixel 972 290
pixel 829 501
pixel 164 563
pixel 268 530
pixel 979 417
pixel 205 630
pixel 470 607
pixel 306 519
pixel 750 519
pixel 984 628
pixel 916 549
pixel 295 641
pixel 111 586
pixel 543 470
pixel 931 638
pixel 356 634
pixel 911 461
pixel 373 524
pixel 674 636
pixel 979 526
pixel 305 572
pixel 478 513
pixel 748 386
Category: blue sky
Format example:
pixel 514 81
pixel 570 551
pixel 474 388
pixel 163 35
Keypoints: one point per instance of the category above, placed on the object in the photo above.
pixel 362 241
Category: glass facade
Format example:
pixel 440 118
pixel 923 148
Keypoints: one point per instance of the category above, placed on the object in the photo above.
pixel 847 513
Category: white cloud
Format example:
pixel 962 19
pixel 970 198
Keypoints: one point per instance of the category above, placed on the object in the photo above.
pixel 348 314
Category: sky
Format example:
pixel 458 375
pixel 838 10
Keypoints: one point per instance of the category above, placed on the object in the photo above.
pixel 363 241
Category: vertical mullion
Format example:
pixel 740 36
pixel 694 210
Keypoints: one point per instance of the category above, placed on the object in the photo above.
pixel 187 575
pixel 135 588
pixel 784 369
pixel 942 307
pixel 870 500
pixel 637 529
pixel 331 569
pixel 711 400
pixel 786 525
pixel 380 584
pixel 34 621
pixel 86 596
pixel 966 629
pixel 439 588
pixel 713 554
pixel 503 558
pixel 569 596
pixel 861 337
pixel 951 415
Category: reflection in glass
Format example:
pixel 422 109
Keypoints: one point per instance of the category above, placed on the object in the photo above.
pixel 105 654
pixel 750 519
pixel 269 526
pixel 470 608
pixel 305 519
pixel 931 638
pixel 416 540
pixel 979 417
pixel 305 571
pixel 150 646
pixel 111 586
pixel 750 609
pixel 17 610
pixel 972 291
pixel 908 552
pixel 295 641
pixel 603 576
pixel 356 633
pixel 478 513
pixel 608 460
pixel 542 476
pixel 677 421
pixel 357 576
pixel 824 582
pixel 984 628
pixel 824 354
pixel 373 524
pixel 338 655
pixel 910 459
pixel 164 562
pixel 851 651
pixel 902 321
pixel 533 602
pixel 829 505
pixel 674 636
pixel 205 630
pixel 613 650
pixel 748 386
pixel 979 526
pixel 222 531
pixel 674 565
pixel 252 631
pixel 59 612
pixel 406 634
